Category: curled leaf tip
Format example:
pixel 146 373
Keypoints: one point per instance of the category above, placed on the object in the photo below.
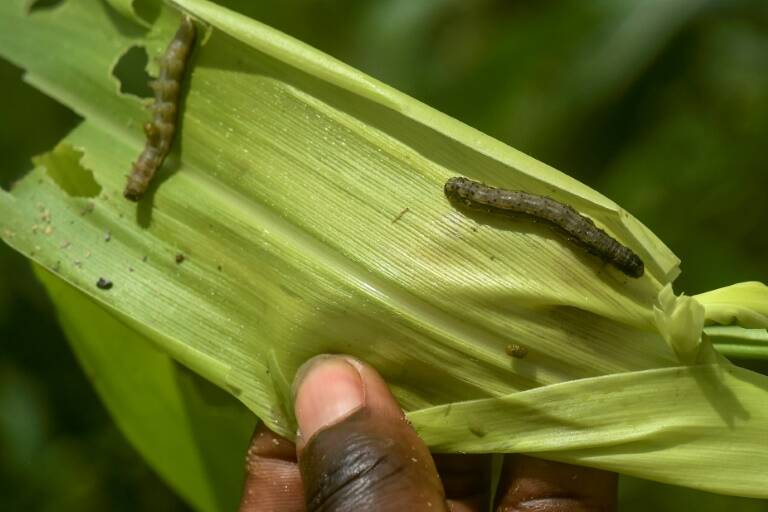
pixel 680 320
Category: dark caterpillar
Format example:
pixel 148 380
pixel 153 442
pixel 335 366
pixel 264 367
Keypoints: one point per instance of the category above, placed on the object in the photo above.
pixel 579 228
pixel 161 129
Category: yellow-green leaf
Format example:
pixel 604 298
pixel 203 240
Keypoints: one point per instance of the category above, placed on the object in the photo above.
pixel 306 200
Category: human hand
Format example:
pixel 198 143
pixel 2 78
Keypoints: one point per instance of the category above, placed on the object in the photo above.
pixel 356 451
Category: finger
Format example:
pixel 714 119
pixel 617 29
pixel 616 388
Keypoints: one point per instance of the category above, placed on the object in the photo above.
pixel 356 449
pixel 531 484
pixel 272 478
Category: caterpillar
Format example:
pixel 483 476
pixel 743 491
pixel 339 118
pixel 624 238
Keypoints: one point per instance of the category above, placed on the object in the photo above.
pixel 161 129
pixel 580 229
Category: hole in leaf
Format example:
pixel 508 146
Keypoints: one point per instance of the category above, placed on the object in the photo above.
pixel 63 166
pixel 31 123
pixel 131 72
pixel 148 10
pixel 40 5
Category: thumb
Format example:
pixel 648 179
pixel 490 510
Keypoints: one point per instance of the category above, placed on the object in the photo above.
pixel 356 450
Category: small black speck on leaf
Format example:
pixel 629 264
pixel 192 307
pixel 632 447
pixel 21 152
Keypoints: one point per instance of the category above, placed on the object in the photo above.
pixel 103 284
pixel 180 258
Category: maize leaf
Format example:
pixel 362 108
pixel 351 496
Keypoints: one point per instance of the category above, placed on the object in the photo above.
pixel 306 201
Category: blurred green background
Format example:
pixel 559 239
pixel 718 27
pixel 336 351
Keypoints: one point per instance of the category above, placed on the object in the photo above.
pixel 662 105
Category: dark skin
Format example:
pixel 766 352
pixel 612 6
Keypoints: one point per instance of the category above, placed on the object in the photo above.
pixel 355 452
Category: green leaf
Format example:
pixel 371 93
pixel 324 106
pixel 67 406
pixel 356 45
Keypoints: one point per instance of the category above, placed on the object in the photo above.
pixel 193 434
pixel 738 342
pixel 306 199
pixel 743 304
pixel 637 423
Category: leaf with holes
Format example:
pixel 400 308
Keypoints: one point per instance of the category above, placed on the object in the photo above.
pixel 301 211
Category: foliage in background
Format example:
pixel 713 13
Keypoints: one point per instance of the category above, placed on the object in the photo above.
pixel 680 118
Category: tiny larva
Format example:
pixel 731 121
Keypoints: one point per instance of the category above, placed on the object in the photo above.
pixel 580 229
pixel 516 350
pixel 161 129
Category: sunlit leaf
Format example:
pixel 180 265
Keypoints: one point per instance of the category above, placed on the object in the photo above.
pixel 192 433
pixel 302 212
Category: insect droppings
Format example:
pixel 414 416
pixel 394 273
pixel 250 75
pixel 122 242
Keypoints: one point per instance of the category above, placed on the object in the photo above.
pixel 516 350
pixel 161 129
pixel 180 258
pixel 580 229
pixel 103 284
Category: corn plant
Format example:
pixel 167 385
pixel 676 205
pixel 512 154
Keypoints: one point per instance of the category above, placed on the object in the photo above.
pixel 301 211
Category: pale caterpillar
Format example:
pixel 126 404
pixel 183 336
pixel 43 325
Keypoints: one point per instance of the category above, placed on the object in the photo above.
pixel 161 129
pixel 516 350
pixel 580 229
